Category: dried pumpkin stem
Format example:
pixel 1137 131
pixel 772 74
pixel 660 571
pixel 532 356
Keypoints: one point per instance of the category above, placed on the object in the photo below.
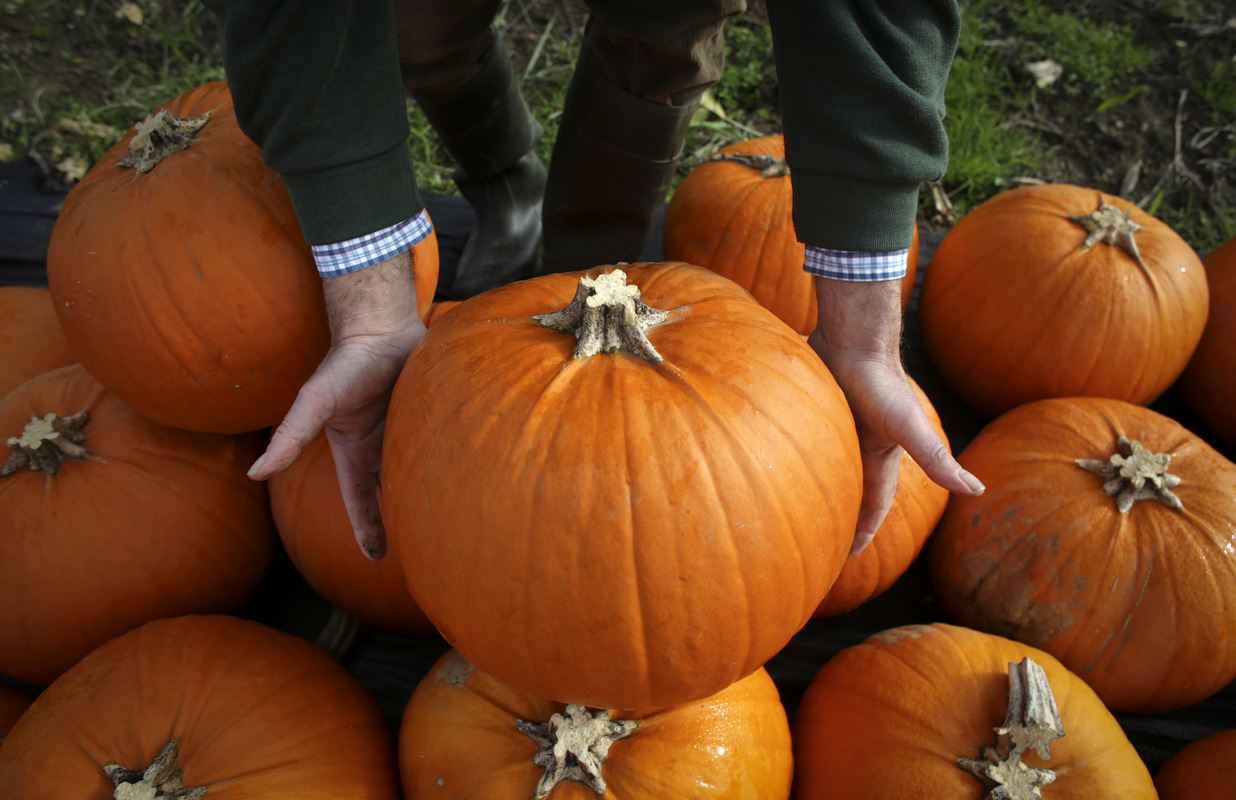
pixel 769 166
pixel 1109 225
pixel 574 745
pixel 607 315
pixel 1031 722
pixel 163 778
pixel 46 443
pixel 1134 473
pixel 160 135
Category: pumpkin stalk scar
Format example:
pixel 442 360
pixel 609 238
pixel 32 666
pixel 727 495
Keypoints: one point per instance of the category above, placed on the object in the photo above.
pixel 573 746
pixel 161 779
pixel 46 443
pixel 607 315
pixel 160 135
pixel 1111 226
pixel 1031 722
pixel 769 166
pixel 1134 473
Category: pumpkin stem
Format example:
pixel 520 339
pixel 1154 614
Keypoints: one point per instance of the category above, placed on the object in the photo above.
pixel 574 746
pixel 46 443
pixel 769 166
pixel 1112 226
pixel 161 779
pixel 607 315
pixel 1134 473
pixel 160 135
pixel 1032 721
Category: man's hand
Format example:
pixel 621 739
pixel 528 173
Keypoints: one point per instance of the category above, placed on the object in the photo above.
pixel 374 326
pixel 858 336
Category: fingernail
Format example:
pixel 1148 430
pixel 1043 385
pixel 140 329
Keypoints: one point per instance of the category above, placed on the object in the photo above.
pixel 257 465
pixel 972 483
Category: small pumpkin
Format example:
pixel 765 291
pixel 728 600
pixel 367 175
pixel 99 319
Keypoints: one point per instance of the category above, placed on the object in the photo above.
pixel 1105 537
pixel 917 507
pixel 1059 291
pixel 1204 768
pixel 30 336
pixel 1208 384
pixel 915 711
pixel 181 276
pixel 317 535
pixel 465 735
pixel 625 488
pixel 218 705
pixel 732 214
pixel 111 520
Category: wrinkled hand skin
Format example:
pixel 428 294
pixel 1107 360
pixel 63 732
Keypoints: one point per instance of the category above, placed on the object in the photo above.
pixel 374 325
pixel 858 336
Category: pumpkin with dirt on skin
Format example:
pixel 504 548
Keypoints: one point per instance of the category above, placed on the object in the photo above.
pixel 623 488
pixel 1208 384
pixel 1205 768
pixel 467 736
pixel 732 214
pixel 181 276
pixel 13 703
pixel 30 336
pixel 1105 537
pixel 223 706
pixel 1060 291
pixel 914 711
pixel 112 520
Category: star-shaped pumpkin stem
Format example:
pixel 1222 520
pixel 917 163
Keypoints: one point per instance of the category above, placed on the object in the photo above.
pixel 1134 473
pixel 574 745
pixel 769 166
pixel 160 135
pixel 1031 722
pixel 163 778
pixel 607 315
pixel 46 443
pixel 1109 225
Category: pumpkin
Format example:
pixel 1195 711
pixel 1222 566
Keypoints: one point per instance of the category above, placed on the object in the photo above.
pixel 13 703
pixel 111 520
pixel 1106 538
pixel 317 535
pixel 917 507
pixel 732 215
pixel 914 711
pixel 220 704
pixel 30 336
pixel 1208 384
pixel 1059 291
pixel 634 519
pixel 182 279
pixel 439 308
pixel 465 735
pixel 1204 768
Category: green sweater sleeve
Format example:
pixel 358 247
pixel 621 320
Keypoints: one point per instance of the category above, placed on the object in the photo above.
pixel 862 104
pixel 317 86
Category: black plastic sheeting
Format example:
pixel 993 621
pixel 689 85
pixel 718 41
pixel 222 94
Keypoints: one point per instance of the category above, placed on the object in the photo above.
pixel 390 665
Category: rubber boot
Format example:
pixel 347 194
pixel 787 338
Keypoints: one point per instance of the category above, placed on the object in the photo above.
pixel 487 128
pixel 612 166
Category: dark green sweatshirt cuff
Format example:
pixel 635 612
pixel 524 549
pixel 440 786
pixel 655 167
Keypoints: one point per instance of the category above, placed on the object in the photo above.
pixel 842 213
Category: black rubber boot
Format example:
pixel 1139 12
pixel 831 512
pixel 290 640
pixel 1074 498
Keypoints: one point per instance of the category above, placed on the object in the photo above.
pixel 487 128
pixel 612 166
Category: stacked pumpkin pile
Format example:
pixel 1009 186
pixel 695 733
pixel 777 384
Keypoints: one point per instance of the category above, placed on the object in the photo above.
pixel 616 495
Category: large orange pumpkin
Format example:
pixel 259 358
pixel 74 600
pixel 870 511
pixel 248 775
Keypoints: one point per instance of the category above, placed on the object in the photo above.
pixel 13 703
pixel 732 214
pixel 1128 576
pixel 896 715
pixel 30 336
pixel 1205 768
pixel 1208 384
pixel 468 736
pixel 111 520
pixel 317 535
pixel 1060 291
pixel 182 278
pixel 634 525
pixel 917 507
pixel 248 712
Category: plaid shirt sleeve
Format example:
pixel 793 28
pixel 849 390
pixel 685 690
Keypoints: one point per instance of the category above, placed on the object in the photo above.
pixel 849 265
pixel 341 258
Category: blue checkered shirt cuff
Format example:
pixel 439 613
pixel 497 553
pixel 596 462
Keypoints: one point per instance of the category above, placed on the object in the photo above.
pixel 852 265
pixel 341 258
